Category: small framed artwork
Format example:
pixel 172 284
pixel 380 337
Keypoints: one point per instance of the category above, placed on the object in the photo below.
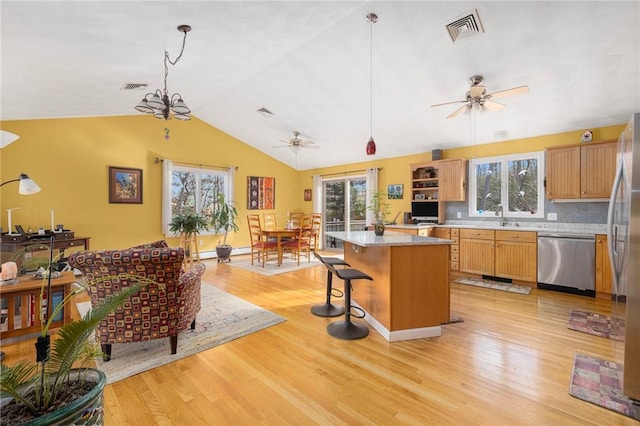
pixel 125 185
pixel 395 191
pixel 307 195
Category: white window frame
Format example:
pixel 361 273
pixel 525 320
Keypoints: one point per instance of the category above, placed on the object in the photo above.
pixel 504 181
pixel 198 171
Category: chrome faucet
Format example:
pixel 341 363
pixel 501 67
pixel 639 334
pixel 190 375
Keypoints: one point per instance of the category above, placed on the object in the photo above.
pixel 500 212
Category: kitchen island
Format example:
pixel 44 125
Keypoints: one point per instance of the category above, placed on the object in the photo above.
pixel 409 295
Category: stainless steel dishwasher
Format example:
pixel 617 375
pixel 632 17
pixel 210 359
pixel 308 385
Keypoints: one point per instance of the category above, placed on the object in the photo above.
pixel 567 260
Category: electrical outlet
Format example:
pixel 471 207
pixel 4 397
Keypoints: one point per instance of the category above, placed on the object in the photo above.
pixel 201 242
pixel 552 216
pixel 459 215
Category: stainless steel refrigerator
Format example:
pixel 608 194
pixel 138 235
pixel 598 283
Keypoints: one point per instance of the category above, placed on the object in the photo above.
pixel 623 229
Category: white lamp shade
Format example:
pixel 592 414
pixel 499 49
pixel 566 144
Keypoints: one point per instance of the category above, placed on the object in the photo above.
pixel 144 107
pixel 179 107
pixel 183 117
pixel 156 102
pixel 27 186
pixel 160 115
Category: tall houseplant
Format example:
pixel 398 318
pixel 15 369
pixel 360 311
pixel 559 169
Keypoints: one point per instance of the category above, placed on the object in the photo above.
pixel 224 219
pixel 380 209
pixel 50 390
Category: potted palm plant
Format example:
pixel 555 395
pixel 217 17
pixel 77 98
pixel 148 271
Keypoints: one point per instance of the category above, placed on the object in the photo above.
pixel 380 209
pixel 223 220
pixel 58 388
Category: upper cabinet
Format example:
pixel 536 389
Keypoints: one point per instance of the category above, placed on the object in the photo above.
pixel 580 171
pixel 443 180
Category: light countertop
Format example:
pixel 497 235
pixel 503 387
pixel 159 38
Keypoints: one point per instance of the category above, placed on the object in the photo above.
pixel 576 228
pixel 390 238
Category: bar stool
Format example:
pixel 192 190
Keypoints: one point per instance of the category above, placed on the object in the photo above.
pixel 328 309
pixel 346 329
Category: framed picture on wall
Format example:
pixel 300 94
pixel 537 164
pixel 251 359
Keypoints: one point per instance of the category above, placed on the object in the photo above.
pixel 125 185
pixel 261 193
pixel 395 191
pixel 307 195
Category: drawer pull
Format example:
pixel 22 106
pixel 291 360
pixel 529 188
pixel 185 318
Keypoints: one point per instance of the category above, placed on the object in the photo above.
pixel 515 236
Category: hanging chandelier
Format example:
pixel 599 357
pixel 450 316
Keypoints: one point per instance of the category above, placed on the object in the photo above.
pixel 159 103
pixel 372 18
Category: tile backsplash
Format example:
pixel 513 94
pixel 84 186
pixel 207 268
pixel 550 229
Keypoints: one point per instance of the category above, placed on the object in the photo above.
pixel 593 212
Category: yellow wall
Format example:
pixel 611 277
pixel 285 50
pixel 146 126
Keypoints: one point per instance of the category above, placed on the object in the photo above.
pixel 69 159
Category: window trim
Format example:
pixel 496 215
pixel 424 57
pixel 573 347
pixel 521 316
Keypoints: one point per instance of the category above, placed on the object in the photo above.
pixel 504 181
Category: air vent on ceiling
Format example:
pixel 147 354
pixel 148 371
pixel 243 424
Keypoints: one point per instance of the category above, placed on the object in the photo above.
pixel 134 86
pixel 464 26
pixel 264 112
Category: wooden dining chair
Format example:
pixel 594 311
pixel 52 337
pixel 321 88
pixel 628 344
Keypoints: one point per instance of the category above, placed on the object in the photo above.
pixel 270 221
pixel 302 242
pixel 296 219
pixel 260 248
pixel 316 226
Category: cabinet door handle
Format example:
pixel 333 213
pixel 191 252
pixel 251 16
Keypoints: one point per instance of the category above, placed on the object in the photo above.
pixel 515 236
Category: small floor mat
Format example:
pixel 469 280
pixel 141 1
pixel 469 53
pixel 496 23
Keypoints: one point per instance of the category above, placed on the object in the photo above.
pixel 496 285
pixel 600 382
pixel 597 324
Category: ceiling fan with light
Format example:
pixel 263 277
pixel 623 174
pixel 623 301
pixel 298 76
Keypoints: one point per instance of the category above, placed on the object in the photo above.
pixel 296 143
pixel 477 95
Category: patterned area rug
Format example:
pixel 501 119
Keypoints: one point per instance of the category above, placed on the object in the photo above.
pixel 600 382
pixel 598 325
pixel 271 267
pixel 496 285
pixel 222 318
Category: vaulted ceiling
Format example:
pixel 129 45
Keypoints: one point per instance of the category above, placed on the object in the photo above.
pixel 310 64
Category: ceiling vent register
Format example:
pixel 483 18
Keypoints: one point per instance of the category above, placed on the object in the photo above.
pixel 134 86
pixel 464 26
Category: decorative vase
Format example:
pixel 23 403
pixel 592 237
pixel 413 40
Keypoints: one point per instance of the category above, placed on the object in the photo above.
pixel 378 228
pixel 86 410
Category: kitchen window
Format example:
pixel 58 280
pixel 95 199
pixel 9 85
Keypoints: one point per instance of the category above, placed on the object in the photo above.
pixel 195 189
pixel 515 182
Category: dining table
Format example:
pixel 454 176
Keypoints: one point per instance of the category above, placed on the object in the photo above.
pixel 279 234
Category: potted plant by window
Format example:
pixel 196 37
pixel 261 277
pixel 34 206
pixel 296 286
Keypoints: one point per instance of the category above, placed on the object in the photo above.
pixel 50 390
pixel 188 225
pixel 223 220
pixel 380 210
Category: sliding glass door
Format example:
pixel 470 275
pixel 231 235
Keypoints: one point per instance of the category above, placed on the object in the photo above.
pixel 344 207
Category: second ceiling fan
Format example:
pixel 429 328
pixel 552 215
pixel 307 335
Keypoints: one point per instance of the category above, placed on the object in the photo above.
pixel 477 95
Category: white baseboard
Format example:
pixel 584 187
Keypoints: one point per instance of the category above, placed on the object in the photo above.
pixel 398 335
pixel 211 254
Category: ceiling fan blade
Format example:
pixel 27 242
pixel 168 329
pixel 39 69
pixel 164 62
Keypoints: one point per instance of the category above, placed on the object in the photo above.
pixel 493 106
pixel 281 146
pixel 509 92
pixel 448 103
pixel 459 110
pixel 476 91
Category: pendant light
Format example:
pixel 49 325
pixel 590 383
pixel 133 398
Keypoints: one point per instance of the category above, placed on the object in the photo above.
pixel 372 18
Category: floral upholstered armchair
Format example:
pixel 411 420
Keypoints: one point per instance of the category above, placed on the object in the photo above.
pixel 159 309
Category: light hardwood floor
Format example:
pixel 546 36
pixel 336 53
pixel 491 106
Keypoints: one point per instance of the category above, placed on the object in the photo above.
pixel 508 363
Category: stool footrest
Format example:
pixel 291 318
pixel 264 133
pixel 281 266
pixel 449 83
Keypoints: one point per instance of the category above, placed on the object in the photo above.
pixel 336 292
pixel 361 314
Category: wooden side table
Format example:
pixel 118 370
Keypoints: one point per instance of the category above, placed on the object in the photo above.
pixel 21 310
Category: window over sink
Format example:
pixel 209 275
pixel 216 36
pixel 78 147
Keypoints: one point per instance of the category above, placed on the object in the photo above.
pixel 515 182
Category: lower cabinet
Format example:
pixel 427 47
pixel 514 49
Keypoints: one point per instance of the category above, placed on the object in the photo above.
pixel 603 268
pixel 477 254
pixel 516 255
pixel 452 234
pixel 506 254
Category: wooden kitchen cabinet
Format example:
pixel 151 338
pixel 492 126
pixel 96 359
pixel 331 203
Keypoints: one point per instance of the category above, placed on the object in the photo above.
pixel 477 254
pixel 500 253
pixel 580 171
pixel 603 268
pixel 453 179
pixel 516 255
pixel 452 234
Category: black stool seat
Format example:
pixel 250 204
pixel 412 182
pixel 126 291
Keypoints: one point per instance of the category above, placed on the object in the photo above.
pixel 347 329
pixel 328 309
